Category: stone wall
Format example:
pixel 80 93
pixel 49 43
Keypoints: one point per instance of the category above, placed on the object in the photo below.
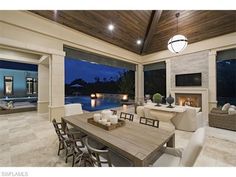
pixel 191 63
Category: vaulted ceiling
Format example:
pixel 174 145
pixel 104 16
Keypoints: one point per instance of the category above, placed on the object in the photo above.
pixel 154 28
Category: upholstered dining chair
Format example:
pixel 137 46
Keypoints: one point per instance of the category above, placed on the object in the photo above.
pixel 73 109
pixel 106 157
pixel 188 156
pixel 128 116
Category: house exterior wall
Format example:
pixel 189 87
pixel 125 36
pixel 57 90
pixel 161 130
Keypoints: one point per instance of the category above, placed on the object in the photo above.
pixel 19 82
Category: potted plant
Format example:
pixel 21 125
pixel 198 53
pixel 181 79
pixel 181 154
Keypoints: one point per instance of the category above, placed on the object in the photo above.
pixel 157 99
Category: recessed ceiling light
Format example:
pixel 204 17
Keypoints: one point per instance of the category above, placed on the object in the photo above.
pixel 111 27
pixel 138 42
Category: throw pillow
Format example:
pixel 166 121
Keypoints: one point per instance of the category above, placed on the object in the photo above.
pixel 226 107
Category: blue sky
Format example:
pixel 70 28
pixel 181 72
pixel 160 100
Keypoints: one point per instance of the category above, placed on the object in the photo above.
pixel 75 69
pixel 18 66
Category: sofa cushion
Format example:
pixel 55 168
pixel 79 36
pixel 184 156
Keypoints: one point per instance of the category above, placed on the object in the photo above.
pixel 231 111
pixel 226 107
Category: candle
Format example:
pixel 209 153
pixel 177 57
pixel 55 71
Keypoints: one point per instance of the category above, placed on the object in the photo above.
pixel 103 121
pixel 96 117
pixel 106 114
pixel 100 121
pixel 114 119
pixel 108 123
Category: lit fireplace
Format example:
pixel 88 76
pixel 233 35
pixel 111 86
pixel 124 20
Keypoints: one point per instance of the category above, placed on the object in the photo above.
pixel 188 99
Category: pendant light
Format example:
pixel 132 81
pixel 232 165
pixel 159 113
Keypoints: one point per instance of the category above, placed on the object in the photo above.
pixel 178 42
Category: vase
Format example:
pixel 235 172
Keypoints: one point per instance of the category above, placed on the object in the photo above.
pixel 170 100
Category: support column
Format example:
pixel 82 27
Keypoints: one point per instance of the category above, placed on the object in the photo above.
pixel 168 77
pixel 139 84
pixel 43 88
pixel 56 87
pixel 212 79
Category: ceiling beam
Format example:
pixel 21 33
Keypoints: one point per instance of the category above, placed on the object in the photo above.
pixel 154 19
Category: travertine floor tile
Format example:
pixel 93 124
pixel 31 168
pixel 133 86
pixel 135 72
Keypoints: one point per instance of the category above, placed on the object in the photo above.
pixel 28 139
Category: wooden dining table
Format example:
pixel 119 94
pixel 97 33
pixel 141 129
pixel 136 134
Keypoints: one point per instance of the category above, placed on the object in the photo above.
pixel 141 144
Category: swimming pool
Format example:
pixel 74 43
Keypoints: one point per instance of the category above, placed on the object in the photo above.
pixel 89 104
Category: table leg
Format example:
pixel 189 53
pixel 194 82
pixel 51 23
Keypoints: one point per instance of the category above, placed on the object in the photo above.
pixel 138 163
pixel 171 142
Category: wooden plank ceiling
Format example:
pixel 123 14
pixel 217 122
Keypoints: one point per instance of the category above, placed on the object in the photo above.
pixel 154 28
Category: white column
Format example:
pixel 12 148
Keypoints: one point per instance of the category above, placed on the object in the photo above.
pixel 57 87
pixel 139 83
pixel 212 79
pixel 43 88
pixel 168 77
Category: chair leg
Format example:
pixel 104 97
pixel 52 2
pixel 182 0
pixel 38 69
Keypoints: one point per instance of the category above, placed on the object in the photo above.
pixel 66 155
pixel 73 160
pixel 59 148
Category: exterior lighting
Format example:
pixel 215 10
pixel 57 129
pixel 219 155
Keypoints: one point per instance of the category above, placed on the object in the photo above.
pixel 93 96
pixel 124 98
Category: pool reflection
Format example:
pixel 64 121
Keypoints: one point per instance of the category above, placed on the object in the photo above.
pixel 95 103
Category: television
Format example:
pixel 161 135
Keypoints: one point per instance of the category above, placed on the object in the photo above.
pixel 193 79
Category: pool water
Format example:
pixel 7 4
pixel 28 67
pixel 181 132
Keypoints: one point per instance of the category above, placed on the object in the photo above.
pixel 89 104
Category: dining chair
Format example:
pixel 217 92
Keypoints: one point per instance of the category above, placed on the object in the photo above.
pixel 96 155
pixel 60 134
pixel 128 116
pixel 77 149
pixel 149 122
pixel 183 157
pixel 114 112
pixel 76 109
pixel 105 157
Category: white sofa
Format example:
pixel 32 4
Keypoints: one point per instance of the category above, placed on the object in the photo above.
pixel 190 120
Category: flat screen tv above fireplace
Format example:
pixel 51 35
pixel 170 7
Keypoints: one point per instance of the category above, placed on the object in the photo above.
pixel 187 80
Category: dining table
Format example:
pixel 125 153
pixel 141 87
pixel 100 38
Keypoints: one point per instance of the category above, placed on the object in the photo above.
pixel 141 144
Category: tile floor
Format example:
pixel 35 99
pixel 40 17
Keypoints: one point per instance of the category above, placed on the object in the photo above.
pixel 28 140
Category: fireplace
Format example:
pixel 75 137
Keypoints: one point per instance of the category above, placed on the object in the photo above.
pixel 189 99
pixel 198 97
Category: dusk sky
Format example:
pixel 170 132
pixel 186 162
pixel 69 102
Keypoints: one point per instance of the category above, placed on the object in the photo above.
pixel 18 66
pixel 75 69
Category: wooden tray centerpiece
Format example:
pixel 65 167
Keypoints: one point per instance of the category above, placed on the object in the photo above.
pixel 106 127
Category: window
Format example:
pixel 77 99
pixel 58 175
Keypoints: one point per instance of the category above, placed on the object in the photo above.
pixel 8 85
pixel 31 85
pixel 155 79
pixel 226 77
